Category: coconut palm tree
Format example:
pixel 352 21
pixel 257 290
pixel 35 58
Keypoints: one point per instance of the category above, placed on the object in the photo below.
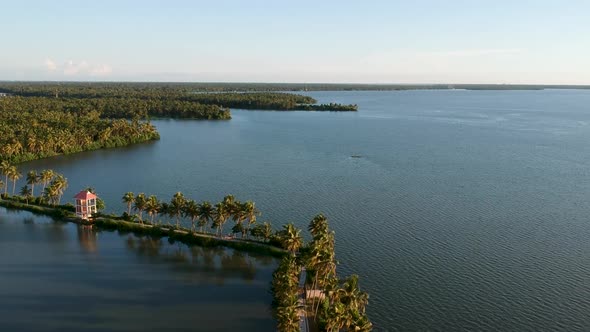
pixel 61 184
pixel 26 192
pixel 220 215
pixel 32 180
pixel 177 206
pixel 205 214
pixel 45 177
pixel 51 193
pixel 262 231
pixel 347 307
pixel 5 169
pixel 288 315
pixel 139 205
pixel 318 225
pixel 290 238
pixel 128 198
pixel 351 296
pixel 250 213
pixel 192 210
pixel 165 211
pixel 14 175
pixel 238 215
pixel 152 207
pixel 266 231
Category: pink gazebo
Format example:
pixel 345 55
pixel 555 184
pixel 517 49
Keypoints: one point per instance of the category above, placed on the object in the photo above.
pixel 85 204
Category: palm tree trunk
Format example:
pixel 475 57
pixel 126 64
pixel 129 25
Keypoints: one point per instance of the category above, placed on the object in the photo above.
pixel 13 186
pixel 32 189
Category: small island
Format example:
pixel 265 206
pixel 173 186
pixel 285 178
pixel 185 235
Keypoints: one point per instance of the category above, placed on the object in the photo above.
pixel 308 294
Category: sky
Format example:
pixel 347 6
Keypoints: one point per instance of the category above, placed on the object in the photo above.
pixel 321 41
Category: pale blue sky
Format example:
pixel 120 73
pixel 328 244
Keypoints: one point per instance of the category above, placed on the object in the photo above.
pixel 297 41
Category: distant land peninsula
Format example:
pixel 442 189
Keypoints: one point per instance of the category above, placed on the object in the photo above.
pixel 45 119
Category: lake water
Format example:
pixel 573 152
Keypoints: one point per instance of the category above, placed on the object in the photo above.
pixel 65 277
pixel 467 210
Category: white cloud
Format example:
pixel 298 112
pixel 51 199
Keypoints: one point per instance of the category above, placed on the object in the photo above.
pixel 71 68
pixel 101 70
pixel 51 66
pixel 78 68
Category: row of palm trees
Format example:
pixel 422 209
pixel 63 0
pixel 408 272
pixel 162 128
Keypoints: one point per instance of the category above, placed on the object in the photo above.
pixel 9 171
pixel 54 184
pixel 200 214
pixel 336 304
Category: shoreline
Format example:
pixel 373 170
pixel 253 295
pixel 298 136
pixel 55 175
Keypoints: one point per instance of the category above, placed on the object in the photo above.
pixel 183 235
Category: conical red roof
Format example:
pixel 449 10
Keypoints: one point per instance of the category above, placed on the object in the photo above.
pixel 85 195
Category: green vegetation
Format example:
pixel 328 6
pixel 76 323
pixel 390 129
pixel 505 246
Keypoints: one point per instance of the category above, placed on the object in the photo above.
pixel 332 304
pixel 129 100
pixel 39 120
pixel 102 89
pixel 31 130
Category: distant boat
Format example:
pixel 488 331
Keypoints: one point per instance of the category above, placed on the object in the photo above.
pixel 356 156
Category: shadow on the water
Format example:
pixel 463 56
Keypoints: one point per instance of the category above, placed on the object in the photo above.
pixel 217 263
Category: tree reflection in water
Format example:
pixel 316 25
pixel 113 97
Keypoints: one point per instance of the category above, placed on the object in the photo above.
pixel 216 264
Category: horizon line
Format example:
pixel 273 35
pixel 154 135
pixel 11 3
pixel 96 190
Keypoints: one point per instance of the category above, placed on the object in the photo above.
pixel 297 83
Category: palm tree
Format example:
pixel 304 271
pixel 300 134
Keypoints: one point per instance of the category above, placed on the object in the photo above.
pixel 290 238
pixel 14 175
pixel 176 206
pixel 318 225
pixel 238 215
pixel 152 207
pixel 5 169
pixel 205 214
pixel 26 192
pixel 192 210
pixel 45 177
pixel 61 184
pixel 129 199
pixel 51 193
pixel 262 231
pixel 288 315
pixel 351 295
pixel 220 215
pixel 139 205
pixel 32 180
pixel 250 213
pixel 347 307
pixel 165 210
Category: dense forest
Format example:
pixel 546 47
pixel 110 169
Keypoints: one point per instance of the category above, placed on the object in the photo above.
pixel 42 119
pixel 33 134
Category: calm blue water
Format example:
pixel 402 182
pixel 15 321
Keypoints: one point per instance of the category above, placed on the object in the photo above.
pixel 468 210
pixel 65 277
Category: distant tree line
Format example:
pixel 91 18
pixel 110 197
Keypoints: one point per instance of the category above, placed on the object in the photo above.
pixel 166 100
